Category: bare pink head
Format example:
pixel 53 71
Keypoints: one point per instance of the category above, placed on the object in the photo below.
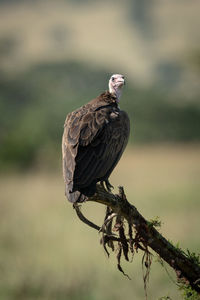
pixel 116 84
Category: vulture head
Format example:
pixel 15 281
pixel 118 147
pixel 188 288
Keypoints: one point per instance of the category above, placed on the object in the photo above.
pixel 116 84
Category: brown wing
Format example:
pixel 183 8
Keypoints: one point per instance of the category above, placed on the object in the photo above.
pixel 81 126
pixel 93 143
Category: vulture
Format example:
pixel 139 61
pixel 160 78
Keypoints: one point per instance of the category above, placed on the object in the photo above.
pixel 95 136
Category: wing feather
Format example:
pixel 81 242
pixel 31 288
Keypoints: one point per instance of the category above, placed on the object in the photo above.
pixel 93 142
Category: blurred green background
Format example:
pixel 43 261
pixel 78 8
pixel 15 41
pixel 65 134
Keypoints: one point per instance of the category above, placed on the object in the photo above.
pixel 54 57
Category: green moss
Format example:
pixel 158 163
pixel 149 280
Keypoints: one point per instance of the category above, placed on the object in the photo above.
pixel 195 258
pixel 188 293
pixel 154 222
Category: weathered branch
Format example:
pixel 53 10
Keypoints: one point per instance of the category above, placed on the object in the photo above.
pixel 186 269
pixel 83 218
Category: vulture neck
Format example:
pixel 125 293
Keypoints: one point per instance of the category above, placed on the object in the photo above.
pixel 116 92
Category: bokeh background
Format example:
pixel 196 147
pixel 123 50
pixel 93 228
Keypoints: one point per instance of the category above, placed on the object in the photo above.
pixel 54 57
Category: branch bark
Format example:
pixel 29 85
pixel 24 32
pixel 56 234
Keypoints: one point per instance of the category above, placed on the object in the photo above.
pixel 186 269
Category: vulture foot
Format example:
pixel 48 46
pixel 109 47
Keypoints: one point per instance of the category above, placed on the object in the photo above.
pixel 109 186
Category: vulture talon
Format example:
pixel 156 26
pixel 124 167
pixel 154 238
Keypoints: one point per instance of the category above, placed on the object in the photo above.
pixel 102 184
pixel 109 186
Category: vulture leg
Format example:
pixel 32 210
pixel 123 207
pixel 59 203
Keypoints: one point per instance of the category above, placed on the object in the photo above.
pixel 109 186
pixel 102 184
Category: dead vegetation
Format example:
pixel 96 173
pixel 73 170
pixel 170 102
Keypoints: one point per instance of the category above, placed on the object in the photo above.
pixel 125 232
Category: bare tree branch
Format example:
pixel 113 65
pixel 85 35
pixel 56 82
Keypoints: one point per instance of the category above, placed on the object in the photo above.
pixel 186 269
pixel 83 218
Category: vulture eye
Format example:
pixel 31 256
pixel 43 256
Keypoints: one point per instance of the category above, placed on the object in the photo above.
pixel 113 78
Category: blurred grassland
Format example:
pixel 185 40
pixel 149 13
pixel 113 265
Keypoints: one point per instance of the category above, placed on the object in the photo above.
pixel 47 253
pixel 142 39
pixel 54 57
pixel 34 105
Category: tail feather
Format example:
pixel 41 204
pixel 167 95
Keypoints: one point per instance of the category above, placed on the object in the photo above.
pixel 75 196
pixel 80 196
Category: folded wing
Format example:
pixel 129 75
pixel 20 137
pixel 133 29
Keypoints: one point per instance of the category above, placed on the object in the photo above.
pixel 93 142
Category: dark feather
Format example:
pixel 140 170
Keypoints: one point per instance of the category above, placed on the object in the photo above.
pixel 94 139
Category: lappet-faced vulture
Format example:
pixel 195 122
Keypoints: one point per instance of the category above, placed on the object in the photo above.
pixel 95 136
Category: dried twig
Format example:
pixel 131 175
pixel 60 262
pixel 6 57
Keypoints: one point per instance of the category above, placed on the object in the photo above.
pixel 83 218
pixel 147 236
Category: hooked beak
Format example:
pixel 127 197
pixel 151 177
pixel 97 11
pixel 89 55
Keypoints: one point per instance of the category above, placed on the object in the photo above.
pixel 120 82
